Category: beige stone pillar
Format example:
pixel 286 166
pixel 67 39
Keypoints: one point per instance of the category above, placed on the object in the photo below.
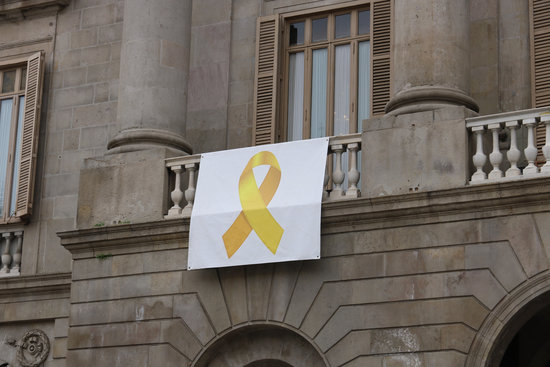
pixel 154 68
pixel 430 56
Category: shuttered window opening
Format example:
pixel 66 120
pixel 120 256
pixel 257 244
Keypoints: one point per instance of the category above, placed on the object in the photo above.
pixel 20 98
pixel 332 71
pixel 540 62
pixel 265 89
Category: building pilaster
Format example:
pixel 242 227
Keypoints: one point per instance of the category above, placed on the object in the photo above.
pixel 154 70
pixel 430 56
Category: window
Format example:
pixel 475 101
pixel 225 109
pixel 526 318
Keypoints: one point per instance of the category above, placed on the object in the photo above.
pixel 322 73
pixel 20 95
pixel 327 61
pixel 540 64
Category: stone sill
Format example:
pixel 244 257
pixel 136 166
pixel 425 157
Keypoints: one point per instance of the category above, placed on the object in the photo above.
pixel 18 9
pixel 465 203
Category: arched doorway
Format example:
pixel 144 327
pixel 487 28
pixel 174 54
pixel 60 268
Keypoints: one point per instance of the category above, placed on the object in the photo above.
pixel 516 333
pixel 530 346
pixel 268 363
pixel 263 345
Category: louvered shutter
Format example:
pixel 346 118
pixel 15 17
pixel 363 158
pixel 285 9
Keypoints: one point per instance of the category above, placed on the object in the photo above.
pixel 265 83
pixel 540 62
pixel 29 136
pixel 381 48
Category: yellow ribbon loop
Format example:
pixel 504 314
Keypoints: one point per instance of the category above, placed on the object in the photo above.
pixel 254 201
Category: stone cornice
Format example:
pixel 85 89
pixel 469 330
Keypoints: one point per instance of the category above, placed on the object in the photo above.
pixel 465 203
pixel 34 287
pixel 163 233
pixel 15 9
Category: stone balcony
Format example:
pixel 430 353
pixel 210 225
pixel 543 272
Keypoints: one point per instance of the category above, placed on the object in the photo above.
pixel 341 177
pixel 510 136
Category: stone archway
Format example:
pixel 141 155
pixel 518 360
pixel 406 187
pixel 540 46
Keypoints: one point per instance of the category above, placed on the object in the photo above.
pixel 507 319
pixel 260 345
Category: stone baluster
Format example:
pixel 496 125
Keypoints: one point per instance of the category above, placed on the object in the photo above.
pixel 513 153
pixel 6 257
pixel 176 195
pixel 353 174
pixel 190 192
pixel 531 150
pixel 16 267
pixel 479 158
pixel 546 149
pixel 325 184
pixel 496 156
pixel 337 173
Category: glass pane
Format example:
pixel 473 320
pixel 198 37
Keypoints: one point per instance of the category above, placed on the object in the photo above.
pixel 5 122
pixel 295 96
pixel 15 178
pixel 8 83
pixel 297 31
pixel 341 89
pixel 363 103
pixel 319 94
pixel 319 29
pixel 23 79
pixel 342 25
pixel 364 22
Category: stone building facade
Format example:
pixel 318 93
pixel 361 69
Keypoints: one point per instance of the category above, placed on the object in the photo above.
pixel 440 258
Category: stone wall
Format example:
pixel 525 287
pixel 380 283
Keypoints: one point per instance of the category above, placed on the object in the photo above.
pixel 406 280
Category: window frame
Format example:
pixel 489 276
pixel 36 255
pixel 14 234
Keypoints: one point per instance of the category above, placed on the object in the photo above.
pixel 307 47
pixel 30 122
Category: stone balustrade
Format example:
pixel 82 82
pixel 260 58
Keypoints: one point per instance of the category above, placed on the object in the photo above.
pixel 341 178
pixel 500 133
pixel 11 244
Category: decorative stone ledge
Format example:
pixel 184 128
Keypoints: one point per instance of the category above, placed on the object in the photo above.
pixel 17 9
pixel 466 203
pixel 35 287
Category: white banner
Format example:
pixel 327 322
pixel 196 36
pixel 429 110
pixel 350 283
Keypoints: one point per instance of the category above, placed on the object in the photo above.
pixel 258 205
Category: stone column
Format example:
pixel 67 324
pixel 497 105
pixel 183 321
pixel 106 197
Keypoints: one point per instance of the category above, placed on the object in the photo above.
pixel 154 69
pixel 430 56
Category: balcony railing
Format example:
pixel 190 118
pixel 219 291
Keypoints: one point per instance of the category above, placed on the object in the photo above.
pixel 503 131
pixel 341 177
pixel 11 244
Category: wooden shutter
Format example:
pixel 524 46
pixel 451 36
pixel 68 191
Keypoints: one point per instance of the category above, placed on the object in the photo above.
pixel 29 136
pixel 265 80
pixel 381 48
pixel 540 62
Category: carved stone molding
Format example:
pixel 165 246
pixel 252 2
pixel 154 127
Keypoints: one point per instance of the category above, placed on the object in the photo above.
pixel 17 9
pixel 32 349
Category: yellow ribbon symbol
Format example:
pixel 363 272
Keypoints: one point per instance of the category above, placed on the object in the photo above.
pixel 254 201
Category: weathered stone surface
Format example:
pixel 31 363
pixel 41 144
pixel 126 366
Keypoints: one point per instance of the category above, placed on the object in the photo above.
pixel 124 310
pixel 124 287
pixel 133 333
pixel 259 279
pixel 206 284
pixel 282 287
pixel 169 356
pixel 233 282
pixel 177 334
pixel 113 188
pixel 116 357
pixel 189 308
pixel 451 310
